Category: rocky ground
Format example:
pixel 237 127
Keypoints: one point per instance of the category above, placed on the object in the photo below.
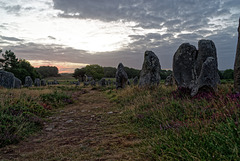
pixel 90 129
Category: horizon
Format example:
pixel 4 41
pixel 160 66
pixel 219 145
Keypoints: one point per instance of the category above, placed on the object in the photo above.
pixel 71 34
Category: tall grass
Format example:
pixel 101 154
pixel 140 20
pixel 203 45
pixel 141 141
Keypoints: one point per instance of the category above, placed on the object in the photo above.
pixel 177 126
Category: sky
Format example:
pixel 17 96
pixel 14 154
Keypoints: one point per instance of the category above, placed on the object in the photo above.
pixel 71 34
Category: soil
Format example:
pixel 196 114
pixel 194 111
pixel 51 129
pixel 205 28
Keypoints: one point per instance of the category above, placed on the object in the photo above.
pixel 89 129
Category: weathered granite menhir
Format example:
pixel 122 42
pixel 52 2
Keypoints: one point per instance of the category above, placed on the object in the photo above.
pixel 237 64
pixel 37 82
pixel 18 83
pixel 195 69
pixel 28 81
pixel 150 73
pixel 121 77
pixel 7 79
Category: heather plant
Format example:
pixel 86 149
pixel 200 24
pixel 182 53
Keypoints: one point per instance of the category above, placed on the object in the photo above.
pixel 175 125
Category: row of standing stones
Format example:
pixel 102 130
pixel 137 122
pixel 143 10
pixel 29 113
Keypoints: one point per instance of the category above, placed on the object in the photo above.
pixel 8 80
pixel 193 69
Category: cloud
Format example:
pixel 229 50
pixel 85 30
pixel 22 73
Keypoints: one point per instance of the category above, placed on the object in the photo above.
pixel 135 25
pixel 10 38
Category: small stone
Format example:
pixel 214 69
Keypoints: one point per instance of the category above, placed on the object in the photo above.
pixel 110 112
pixel 18 83
pixel 37 82
pixel 49 129
pixel 69 121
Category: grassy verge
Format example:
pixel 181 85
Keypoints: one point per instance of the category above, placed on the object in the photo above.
pixel 175 126
pixel 22 111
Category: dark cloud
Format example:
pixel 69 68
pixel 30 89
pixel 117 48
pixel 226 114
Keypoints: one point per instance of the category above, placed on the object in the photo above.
pixel 10 38
pixel 13 9
pixel 180 21
pixel 51 37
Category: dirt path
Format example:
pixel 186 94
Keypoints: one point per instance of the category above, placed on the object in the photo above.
pixel 87 130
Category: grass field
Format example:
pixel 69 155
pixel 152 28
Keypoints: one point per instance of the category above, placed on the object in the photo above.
pixel 175 126
pixel 161 123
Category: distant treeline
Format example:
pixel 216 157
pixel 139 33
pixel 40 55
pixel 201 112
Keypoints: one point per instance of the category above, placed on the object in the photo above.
pixel 110 72
pixel 98 72
pixel 48 71
pixel 22 68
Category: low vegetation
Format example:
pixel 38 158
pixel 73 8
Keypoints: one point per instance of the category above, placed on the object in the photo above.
pixel 22 111
pixel 175 126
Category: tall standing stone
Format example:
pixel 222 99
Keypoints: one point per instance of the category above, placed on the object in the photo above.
pixel 7 79
pixel 150 73
pixel 28 81
pixel 121 77
pixel 237 64
pixel 208 77
pixel 206 48
pixel 194 69
pixel 183 65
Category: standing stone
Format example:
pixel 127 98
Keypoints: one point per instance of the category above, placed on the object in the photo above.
pixel 150 73
pixel 206 48
pixel 109 82
pixel 208 77
pixel 43 82
pixel 55 82
pixel 93 83
pixel 18 83
pixel 102 82
pixel 28 81
pixel 77 83
pixel 135 81
pixel 37 82
pixel 86 83
pixel 237 64
pixel 194 69
pixel 169 80
pixel 183 65
pixel 121 77
pixel 7 79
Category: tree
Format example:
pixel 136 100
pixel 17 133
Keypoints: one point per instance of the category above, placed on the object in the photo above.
pixel 9 60
pixel 96 71
pixel 20 68
pixel 165 73
pixel 79 74
pixel 131 72
pixel 109 72
pixel 48 71
pixel 228 74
